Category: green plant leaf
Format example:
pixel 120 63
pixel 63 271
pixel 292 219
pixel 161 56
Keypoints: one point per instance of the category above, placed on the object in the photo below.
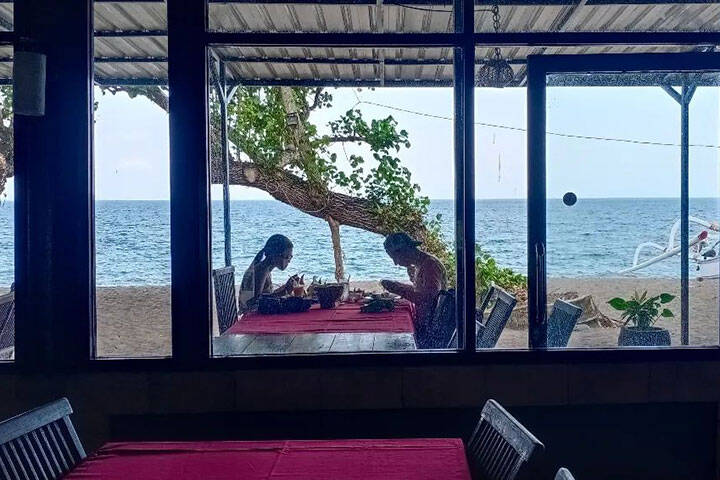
pixel 667 313
pixel 618 303
pixel 666 298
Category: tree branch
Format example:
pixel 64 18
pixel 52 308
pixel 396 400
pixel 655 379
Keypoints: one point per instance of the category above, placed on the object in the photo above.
pixel 344 138
pixel 316 100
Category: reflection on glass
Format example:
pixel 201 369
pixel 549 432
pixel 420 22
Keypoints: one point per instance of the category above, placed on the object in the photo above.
pixel 614 142
pixel 320 178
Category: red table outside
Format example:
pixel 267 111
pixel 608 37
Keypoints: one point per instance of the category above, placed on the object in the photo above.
pixel 416 459
pixel 346 318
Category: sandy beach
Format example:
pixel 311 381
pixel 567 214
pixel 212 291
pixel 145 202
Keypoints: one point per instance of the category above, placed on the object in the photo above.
pixel 135 321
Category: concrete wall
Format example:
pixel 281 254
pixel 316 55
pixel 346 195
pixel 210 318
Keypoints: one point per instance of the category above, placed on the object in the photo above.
pixel 102 400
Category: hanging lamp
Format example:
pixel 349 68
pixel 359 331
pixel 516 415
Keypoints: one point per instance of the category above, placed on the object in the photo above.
pixel 495 72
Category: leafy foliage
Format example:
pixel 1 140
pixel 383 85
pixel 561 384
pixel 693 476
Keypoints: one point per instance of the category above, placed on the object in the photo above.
pixel 488 273
pixel 643 311
pixel 261 128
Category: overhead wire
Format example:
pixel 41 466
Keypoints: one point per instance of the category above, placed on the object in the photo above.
pixel 521 129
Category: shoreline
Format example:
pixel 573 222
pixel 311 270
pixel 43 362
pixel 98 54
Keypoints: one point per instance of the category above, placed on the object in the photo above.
pixel 135 321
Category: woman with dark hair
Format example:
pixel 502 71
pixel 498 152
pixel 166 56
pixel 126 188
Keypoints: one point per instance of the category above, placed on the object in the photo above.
pixel 277 253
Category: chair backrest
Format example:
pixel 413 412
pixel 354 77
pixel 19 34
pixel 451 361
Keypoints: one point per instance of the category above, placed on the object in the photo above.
pixel 491 329
pixel 561 323
pixel 564 474
pixel 7 320
pixel 440 330
pixel 225 302
pixel 500 448
pixel 41 443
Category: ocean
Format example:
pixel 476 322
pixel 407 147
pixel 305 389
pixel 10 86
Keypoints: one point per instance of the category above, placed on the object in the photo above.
pixel 595 237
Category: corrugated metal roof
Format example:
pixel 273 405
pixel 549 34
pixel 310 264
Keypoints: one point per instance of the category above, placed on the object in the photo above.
pixel 142 58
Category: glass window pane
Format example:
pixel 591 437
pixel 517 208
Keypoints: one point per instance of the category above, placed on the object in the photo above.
pixel 614 208
pixel 501 216
pixel 326 158
pixel 7 210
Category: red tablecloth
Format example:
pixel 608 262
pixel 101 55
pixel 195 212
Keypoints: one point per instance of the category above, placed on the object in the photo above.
pixel 416 459
pixel 346 318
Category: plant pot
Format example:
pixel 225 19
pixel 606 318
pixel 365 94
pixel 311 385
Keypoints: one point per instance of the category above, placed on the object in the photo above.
pixel 644 337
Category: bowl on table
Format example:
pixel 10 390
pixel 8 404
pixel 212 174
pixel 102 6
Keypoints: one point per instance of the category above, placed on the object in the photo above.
pixel 296 304
pixel 329 294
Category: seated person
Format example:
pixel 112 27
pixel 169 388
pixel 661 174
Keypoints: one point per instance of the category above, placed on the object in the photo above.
pixel 277 253
pixel 426 272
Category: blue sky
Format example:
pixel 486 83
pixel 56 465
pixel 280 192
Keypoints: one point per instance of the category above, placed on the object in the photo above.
pixel 131 142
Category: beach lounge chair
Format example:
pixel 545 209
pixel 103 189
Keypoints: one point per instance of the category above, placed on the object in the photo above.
pixel 501 448
pixel 488 332
pixel 443 324
pixel 564 474
pixel 41 443
pixel 225 302
pixel 561 323
pixel 7 320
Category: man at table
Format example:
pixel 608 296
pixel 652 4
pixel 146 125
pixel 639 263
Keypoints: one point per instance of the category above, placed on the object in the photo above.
pixel 426 272
pixel 277 253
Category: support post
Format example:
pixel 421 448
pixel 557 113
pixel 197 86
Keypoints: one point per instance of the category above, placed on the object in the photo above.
pixel 684 97
pixel 464 83
pixel 222 94
pixel 189 181
pixel 687 93
pixel 537 209
pixel 54 268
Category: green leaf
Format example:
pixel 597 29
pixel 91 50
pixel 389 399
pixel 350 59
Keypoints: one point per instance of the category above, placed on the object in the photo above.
pixel 666 298
pixel 667 313
pixel 618 303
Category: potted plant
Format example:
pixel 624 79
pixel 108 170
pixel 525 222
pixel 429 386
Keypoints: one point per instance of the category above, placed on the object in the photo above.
pixel 640 313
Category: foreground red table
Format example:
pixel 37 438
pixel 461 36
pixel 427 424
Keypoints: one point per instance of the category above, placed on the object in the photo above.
pixel 346 318
pixel 416 459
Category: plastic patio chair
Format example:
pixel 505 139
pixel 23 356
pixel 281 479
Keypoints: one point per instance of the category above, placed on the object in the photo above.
pixel 501 448
pixel 41 443
pixel 561 323
pixel 564 474
pixel 442 327
pixel 225 302
pixel 7 320
pixel 489 331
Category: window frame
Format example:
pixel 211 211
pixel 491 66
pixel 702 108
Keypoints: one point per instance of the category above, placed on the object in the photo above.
pixel 539 67
pixel 189 41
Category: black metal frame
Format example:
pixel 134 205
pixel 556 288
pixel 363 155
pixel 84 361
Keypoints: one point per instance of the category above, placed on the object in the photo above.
pixel 539 67
pixel 189 41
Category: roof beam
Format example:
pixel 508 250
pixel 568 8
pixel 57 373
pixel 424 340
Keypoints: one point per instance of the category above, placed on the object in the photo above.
pixel 447 3
pixel 353 61
pixel 130 33
pixel 502 39
pixel 131 59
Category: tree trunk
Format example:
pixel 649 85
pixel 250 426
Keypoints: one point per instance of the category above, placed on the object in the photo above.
pixel 337 249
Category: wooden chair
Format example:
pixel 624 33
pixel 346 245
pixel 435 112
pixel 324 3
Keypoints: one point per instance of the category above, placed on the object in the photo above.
pixel 41 443
pixel 225 302
pixel 561 323
pixel 440 330
pixel 500 448
pixel 564 474
pixel 7 320
pixel 488 332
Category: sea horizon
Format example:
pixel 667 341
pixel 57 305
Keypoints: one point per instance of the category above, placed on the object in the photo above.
pixel 596 237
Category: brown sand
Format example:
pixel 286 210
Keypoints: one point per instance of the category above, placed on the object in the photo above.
pixel 135 321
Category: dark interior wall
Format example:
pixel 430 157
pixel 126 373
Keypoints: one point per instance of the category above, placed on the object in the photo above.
pixel 603 420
